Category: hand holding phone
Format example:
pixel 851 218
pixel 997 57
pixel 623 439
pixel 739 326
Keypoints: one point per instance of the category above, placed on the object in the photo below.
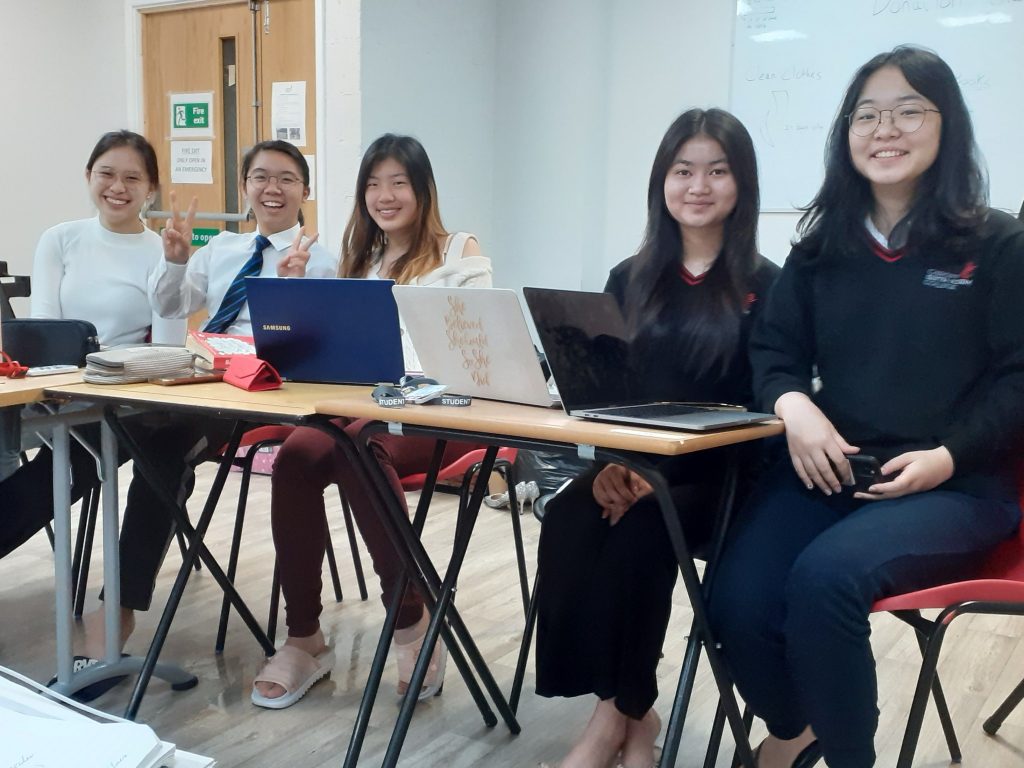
pixel 866 471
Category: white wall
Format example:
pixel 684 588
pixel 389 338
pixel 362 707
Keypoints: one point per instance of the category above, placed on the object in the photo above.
pixel 63 76
pixel 427 70
pixel 586 91
pixel 541 117
pixel 561 105
pixel 549 165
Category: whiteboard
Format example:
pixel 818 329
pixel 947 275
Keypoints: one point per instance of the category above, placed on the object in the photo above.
pixel 793 59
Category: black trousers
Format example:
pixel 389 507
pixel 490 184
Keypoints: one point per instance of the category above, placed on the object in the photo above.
pixel 605 592
pixel 791 599
pixel 175 446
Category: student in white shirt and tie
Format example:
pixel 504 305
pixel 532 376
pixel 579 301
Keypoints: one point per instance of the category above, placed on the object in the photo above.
pixel 275 176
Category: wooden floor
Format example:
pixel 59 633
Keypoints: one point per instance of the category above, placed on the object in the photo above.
pixel 984 659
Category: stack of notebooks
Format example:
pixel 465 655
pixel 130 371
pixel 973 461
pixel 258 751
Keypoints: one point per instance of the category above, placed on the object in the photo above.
pixel 42 729
pixel 214 351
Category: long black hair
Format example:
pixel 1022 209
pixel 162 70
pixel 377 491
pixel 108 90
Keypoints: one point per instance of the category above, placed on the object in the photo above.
pixel 954 204
pixel 363 239
pixel 712 331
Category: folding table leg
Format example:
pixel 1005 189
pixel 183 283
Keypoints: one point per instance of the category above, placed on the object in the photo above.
pixel 397 536
pixel 464 530
pixel 196 549
pixel 380 657
pixel 700 631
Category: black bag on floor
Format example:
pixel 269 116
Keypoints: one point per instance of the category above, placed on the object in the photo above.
pixel 40 341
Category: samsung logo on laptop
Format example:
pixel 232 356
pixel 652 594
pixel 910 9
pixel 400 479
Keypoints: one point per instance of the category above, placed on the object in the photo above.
pixel 268 327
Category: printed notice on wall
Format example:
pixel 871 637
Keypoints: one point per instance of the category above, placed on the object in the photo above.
pixel 288 112
pixel 311 162
pixel 191 115
pixel 192 162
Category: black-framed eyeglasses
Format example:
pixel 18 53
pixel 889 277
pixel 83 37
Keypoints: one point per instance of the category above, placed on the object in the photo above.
pixel 906 117
pixel 284 180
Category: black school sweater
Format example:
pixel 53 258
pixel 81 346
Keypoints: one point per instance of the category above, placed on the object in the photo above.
pixel 660 351
pixel 913 351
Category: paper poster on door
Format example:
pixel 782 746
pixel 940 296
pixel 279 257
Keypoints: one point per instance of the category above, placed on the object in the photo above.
pixel 288 112
pixel 192 162
pixel 311 162
pixel 191 115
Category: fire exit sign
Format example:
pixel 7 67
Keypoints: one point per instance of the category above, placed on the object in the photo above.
pixel 191 115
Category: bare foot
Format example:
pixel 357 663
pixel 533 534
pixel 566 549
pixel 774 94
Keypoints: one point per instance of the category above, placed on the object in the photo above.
pixel 779 753
pixel 638 749
pixel 601 740
pixel 94 644
pixel 314 645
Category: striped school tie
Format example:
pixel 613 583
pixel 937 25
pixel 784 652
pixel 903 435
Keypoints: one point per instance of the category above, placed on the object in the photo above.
pixel 235 297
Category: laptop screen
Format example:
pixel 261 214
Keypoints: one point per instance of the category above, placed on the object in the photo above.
pixel 328 330
pixel 585 339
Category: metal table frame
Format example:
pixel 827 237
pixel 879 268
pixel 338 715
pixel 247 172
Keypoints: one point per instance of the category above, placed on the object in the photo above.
pixel 439 593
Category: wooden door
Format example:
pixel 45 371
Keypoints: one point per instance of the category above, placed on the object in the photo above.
pixel 286 54
pixel 236 54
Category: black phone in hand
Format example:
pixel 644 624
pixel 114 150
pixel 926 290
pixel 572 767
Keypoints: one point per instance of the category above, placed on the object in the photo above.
pixel 866 471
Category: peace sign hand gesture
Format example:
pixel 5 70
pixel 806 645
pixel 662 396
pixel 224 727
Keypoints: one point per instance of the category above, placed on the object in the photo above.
pixel 293 263
pixel 177 235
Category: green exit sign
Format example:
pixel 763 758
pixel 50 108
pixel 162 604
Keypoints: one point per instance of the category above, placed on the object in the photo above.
pixel 201 237
pixel 191 115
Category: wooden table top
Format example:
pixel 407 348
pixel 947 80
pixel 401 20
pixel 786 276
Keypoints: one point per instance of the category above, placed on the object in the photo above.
pixel 30 389
pixel 526 421
pixel 293 402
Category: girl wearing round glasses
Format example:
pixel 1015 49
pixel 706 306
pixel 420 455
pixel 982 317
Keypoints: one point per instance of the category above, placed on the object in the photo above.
pixel 394 232
pixel 903 294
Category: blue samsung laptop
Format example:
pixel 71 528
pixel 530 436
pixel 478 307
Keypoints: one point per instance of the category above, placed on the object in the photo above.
pixel 327 330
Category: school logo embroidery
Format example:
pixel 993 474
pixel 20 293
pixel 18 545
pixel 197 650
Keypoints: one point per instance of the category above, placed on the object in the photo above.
pixel 950 281
pixel 748 302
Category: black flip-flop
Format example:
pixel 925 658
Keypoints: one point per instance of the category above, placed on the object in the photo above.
pixel 95 690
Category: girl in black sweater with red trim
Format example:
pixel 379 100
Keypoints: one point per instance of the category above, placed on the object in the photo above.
pixel 903 293
pixel 605 565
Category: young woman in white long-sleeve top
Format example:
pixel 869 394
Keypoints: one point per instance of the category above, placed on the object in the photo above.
pixel 98 270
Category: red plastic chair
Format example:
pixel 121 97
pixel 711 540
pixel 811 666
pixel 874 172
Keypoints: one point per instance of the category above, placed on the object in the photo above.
pixel 465 468
pixel 254 439
pixel 997 589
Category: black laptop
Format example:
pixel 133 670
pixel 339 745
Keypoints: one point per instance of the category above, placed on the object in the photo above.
pixel 587 346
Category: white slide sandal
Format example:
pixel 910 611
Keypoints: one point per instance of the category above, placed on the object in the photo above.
pixel 294 670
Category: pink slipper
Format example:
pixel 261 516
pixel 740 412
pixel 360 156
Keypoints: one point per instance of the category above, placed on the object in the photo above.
pixel 294 670
pixel 406 656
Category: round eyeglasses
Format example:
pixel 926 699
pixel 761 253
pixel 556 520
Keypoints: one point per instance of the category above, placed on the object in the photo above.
pixel 907 118
pixel 284 180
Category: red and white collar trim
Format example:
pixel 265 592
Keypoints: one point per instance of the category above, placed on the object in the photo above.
pixel 880 243
pixel 691 279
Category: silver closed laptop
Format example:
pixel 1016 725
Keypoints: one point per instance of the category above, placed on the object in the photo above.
pixel 474 340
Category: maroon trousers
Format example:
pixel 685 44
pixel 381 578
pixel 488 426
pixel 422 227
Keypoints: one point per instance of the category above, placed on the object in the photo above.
pixel 309 461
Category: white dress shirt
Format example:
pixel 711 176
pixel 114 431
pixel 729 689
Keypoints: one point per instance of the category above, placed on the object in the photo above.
pixel 178 290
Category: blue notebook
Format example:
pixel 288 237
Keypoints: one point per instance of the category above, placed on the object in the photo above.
pixel 327 330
